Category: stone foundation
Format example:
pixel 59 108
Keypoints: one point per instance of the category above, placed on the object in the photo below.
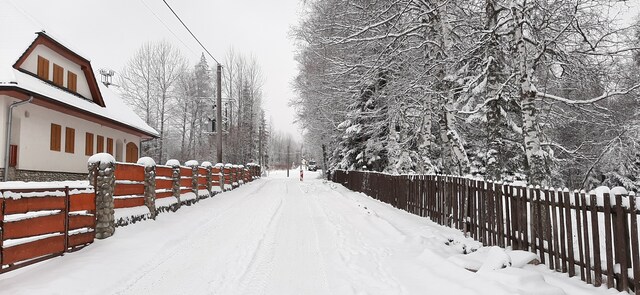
pixel 34 175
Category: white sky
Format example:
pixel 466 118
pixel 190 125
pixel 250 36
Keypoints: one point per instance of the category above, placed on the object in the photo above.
pixel 109 32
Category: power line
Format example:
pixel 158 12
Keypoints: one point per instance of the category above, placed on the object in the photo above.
pixel 194 36
pixel 167 27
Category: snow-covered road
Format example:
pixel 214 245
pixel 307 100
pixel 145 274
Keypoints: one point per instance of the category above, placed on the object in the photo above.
pixel 278 235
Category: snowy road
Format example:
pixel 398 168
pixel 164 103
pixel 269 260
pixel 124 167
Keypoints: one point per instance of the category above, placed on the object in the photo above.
pixel 280 236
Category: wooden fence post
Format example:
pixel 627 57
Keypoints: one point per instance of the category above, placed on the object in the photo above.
pixel 585 228
pixel 621 243
pixel 633 211
pixel 608 240
pixel 597 265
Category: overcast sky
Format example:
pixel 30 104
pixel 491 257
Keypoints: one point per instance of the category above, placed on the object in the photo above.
pixel 109 32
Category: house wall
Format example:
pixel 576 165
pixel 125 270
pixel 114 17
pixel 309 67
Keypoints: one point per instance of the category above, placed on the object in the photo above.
pixel 33 138
pixel 31 65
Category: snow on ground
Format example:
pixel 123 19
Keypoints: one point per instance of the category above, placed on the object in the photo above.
pixel 278 235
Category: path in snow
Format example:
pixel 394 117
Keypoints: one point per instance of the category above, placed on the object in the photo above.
pixel 281 236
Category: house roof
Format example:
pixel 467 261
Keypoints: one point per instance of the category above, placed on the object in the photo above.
pixel 17 35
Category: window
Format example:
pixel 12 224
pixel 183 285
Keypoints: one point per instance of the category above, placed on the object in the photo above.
pixel 110 146
pixel 72 81
pixel 43 68
pixel 100 148
pixel 88 148
pixel 70 140
pixel 56 133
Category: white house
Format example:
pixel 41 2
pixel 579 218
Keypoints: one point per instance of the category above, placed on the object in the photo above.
pixel 54 113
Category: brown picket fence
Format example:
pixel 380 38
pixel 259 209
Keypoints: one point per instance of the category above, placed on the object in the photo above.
pixel 577 233
pixel 42 223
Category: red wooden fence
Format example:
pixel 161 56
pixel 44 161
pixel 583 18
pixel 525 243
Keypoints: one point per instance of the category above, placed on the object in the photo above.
pixel 202 178
pixel 38 224
pixel 186 175
pixel 129 190
pixel 594 236
pixel 164 182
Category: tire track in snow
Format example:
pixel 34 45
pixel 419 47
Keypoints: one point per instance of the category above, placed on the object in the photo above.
pixel 257 273
pixel 322 264
pixel 212 224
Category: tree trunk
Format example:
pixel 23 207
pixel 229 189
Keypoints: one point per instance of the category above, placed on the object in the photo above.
pixel 494 160
pixel 164 99
pixel 537 166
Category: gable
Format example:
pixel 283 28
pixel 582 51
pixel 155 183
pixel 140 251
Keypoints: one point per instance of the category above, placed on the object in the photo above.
pixel 64 68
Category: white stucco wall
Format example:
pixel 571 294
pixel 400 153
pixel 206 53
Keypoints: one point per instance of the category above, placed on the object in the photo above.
pixel 31 65
pixel 34 137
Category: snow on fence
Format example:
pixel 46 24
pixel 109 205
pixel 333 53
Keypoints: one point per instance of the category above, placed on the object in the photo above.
pixel 227 175
pixel 594 234
pixel 38 222
pixel 41 223
pixel 191 184
pixel 217 183
pixel 202 180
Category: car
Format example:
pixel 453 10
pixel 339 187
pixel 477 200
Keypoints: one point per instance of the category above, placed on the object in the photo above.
pixel 313 166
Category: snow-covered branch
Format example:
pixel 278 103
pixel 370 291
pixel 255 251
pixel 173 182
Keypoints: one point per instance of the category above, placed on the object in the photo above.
pixel 587 101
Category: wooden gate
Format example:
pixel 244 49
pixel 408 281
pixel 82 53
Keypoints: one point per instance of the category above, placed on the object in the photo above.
pixel 38 224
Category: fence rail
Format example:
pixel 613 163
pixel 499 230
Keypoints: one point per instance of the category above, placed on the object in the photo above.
pixel 591 235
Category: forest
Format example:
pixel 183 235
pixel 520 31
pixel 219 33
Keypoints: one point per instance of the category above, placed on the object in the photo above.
pixel 178 100
pixel 544 92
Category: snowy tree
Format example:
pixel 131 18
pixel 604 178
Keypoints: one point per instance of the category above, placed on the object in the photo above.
pixel 496 88
pixel 148 82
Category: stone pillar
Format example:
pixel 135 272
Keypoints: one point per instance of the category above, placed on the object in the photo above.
pixel 193 164
pixel 175 165
pixel 207 166
pixel 102 176
pixel 149 184
pixel 219 169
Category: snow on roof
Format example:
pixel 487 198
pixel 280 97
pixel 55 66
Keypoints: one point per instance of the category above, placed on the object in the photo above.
pixel 17 35
pixel 116 109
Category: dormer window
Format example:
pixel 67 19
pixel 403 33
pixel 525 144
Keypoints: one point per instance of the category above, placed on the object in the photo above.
pixel 58 75
pixel 72 81
pixel 43 68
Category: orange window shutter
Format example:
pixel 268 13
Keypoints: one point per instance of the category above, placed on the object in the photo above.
pixel 70 140
pixel 58 75
pixel 56 131
pixel 100 148
pixel 88 149
pixel 72 81
pixel 110 145
pixel 43 68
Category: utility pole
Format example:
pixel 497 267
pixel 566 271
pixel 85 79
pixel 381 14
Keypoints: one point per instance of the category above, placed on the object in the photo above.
pixel 288 146
pixel 260 144
pixel 219 114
